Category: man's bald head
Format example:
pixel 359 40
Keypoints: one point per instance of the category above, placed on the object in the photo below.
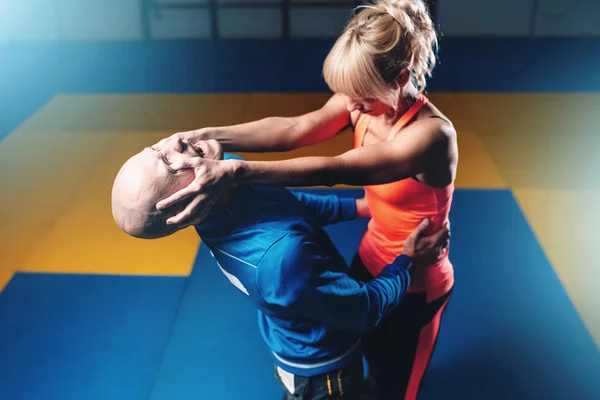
pixel 142 182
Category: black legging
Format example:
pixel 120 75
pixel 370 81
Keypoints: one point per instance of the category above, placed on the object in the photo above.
pixel 399 349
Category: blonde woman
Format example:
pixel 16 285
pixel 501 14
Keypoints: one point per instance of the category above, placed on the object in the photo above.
pixel 405 154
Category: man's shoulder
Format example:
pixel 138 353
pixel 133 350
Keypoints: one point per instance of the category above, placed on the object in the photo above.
pixel 288 269
pixel 229 156
pixel 289 245
pixel 301 247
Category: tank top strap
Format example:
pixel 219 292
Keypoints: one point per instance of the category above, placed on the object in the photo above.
pixel 362 123
pixel 408 115
pixel 361 129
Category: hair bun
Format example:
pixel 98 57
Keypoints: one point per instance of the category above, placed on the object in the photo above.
pixel 397 9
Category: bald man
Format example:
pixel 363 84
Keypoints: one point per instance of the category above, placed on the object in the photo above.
pixel 270 244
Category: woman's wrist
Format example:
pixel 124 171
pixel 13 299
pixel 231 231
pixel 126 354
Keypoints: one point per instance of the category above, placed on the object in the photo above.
pixel 236 170
pixel 304 171
pixel 198 135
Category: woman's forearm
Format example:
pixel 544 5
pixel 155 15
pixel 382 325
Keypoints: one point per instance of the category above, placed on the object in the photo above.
pixel 266 135
pixel 296 172
pixel 275 134
pixel 365 166
pixel 312 171
pixel 407 155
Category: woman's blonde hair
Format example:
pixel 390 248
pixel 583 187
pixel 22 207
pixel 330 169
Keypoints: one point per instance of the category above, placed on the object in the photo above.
pixel 380 42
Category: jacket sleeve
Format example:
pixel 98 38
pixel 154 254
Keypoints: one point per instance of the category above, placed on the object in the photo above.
pixel 328 209
pixel 311 279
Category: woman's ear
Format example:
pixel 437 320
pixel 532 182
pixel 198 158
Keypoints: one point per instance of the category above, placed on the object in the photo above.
pixel 403 77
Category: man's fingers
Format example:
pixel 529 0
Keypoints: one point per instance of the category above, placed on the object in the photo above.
pixel 445 237
pixel 444 244
pixel 420 230
pixel 441 235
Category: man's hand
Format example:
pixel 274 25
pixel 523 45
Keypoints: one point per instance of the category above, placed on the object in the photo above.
pixel 362 208
pixel 425 250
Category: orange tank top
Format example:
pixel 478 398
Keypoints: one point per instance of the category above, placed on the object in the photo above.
pixel 397 208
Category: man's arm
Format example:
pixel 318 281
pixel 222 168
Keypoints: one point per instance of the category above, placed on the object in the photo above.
pixel 312 280
pixel 328 209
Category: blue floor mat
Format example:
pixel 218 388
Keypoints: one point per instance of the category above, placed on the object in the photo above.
pixel 75 337
pixel 216 351
pixel 509 331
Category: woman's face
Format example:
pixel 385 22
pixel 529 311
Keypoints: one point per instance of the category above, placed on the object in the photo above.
pixel 366 105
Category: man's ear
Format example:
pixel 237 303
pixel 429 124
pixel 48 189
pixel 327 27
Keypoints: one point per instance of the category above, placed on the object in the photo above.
pixel 213 150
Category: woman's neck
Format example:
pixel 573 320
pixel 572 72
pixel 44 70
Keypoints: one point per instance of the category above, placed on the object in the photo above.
pixel 404 104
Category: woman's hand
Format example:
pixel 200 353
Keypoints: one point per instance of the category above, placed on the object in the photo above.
pixel 211 187
pixel 167 143
pixel 191 137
